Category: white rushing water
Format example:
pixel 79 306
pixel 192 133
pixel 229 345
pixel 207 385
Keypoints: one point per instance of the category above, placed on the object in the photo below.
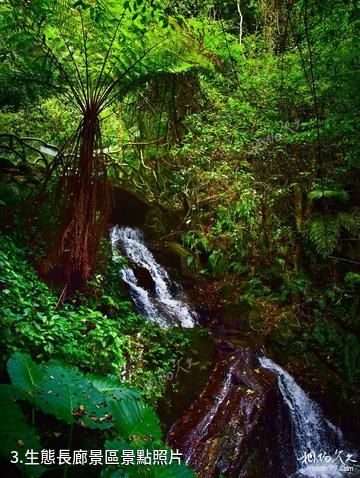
pixel 163 308
pixel 317 443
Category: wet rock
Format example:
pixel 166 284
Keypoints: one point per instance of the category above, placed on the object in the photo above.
pixel 239 425
pixel 174 259
pixel 157 222
pixel 226 346
pixel 207 301
pixel 144 278
pixel 175 288
pixel 181 258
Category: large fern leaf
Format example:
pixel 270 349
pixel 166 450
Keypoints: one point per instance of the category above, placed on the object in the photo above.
pixel 350 221
pixel 324 233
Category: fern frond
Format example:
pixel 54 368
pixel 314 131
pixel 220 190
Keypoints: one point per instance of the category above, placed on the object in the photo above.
pixel 324 233
pixel 350 221
pixel 337 194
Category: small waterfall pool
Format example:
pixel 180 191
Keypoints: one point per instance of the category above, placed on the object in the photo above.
pixel 164 307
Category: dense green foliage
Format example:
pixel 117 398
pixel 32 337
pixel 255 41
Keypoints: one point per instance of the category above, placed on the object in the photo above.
pixel 238 122
pixel 101 334
pixel 265 168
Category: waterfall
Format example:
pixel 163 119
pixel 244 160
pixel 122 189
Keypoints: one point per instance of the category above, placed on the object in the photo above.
pixel 164 307
pixel 314 436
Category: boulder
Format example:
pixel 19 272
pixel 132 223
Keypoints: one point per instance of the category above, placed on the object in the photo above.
pixel 129 209
pixel 239 425
pixel 181 258
pixel 144 278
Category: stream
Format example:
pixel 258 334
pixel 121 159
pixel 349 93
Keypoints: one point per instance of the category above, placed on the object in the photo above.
pixel 252 419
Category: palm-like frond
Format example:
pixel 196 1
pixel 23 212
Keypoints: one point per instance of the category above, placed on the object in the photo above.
pixel 96 52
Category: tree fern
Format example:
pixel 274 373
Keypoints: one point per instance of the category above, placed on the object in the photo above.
pixel 96 55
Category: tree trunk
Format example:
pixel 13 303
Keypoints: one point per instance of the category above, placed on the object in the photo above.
pixel 88 203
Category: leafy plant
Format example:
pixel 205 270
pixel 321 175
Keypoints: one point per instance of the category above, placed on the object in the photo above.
pixel 100 333
pixel 93 55
pixel 324 232
pixel 95 402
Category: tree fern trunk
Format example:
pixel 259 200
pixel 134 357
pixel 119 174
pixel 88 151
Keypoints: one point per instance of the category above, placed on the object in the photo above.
pixel 88 203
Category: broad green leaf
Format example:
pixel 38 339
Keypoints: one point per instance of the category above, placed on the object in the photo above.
pixel 134 417
pixel 24 372
pixel 65 393
pixel 60 390
pixel 111 387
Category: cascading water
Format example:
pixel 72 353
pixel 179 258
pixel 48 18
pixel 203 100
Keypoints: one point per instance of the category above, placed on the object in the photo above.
pixel 253 420
pixel 315 442
pixel 164 308
pixel 313 436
